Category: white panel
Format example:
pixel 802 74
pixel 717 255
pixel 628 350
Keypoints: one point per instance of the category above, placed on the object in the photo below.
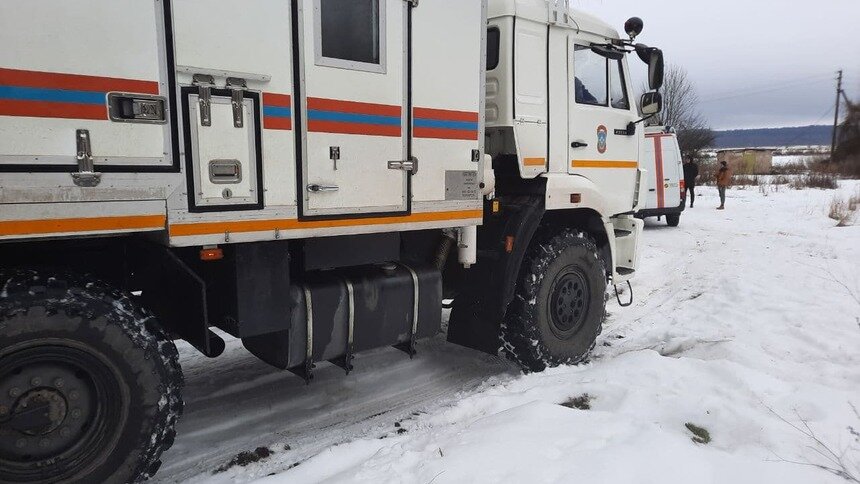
pixel 50 137
pixel 111 38
pixel 252 36
pixel 530 122
pixel 454 53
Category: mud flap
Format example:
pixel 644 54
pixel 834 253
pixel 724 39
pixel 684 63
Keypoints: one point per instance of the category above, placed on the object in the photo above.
pixel 488 287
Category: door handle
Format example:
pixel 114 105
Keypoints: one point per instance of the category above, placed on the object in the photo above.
pixel 322 188
pixel 578 144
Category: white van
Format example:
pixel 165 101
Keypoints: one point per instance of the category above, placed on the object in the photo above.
pixel 665 175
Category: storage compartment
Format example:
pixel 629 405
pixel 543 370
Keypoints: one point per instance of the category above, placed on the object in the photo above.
pixel 222 134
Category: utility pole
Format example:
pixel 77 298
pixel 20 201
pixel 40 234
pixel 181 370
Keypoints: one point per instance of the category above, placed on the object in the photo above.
pixel 836 115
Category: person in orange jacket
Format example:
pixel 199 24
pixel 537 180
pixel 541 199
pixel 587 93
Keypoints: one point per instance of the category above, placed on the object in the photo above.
pixel 724 179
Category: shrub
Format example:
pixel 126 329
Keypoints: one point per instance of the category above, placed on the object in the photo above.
pixel 844 211
pixel 815 180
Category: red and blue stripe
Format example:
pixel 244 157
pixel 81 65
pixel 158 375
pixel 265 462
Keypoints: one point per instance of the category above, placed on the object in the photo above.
pixel 58 95
pixel 277 111
pixel 445 124
pixel 349 117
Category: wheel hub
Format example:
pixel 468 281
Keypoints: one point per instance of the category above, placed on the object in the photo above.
pixel 55 406
pixel 39 411
pixel 569 303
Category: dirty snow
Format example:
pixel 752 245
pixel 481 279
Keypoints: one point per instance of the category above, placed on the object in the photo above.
pixel 746 323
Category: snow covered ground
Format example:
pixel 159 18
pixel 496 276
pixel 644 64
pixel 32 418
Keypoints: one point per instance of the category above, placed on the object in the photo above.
pixel 746 324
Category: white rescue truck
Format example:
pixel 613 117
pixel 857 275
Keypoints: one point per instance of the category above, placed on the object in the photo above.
pixel 311 176
pixel 665 179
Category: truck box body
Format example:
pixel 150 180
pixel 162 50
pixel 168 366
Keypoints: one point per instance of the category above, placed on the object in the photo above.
pixel 211 124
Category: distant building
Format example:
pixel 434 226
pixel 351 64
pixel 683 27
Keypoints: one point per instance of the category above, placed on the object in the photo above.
pixel 748 161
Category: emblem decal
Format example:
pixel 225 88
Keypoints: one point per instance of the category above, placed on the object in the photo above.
pixel 602 134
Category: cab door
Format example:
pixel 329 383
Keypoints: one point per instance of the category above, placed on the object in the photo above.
pixel 601 147
pixel 354 108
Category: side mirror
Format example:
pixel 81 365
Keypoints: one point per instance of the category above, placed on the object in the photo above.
pixel 651 103
pixel 655 69
pixel 654 58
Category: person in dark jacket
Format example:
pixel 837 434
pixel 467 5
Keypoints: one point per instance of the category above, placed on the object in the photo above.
pixel 691 172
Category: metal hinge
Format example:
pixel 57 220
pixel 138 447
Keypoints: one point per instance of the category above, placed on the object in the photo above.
pixel 412 3
pixel 410 165
pixel 86 175
pixel 238 86
pixel 205 83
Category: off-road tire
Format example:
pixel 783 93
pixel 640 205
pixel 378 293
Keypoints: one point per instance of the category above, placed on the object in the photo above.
pixel 110 349
pixel 554 263
pixel 673 219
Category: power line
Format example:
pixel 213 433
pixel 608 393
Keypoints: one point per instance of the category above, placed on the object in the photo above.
pixel 760 90
pixel 820 119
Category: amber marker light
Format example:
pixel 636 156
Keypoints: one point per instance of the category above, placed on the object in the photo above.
pixel 208 254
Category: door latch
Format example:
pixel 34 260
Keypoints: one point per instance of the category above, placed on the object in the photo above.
pixel 237 99
pixel 578 144
pixel 410 165
pixel 204 97
pixel 314 188
pixel 86 175
pixel 334 155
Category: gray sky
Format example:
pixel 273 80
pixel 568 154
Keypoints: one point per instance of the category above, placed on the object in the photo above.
pixel 755 63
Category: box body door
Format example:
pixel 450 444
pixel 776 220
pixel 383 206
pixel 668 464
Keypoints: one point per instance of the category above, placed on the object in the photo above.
pixel 68 66
pixel 354 108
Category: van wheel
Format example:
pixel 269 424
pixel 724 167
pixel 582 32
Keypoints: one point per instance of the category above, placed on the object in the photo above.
pixel 559 304
pixel 89 383
pixel 673 219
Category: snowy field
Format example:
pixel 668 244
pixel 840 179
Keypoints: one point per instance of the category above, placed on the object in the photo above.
pixel 746 324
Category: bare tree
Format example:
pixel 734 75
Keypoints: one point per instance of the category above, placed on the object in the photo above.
pixel 681 111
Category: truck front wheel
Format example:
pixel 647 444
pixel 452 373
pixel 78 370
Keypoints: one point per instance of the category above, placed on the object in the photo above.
pixel 89 384
pixel 559 304
pixel 673 219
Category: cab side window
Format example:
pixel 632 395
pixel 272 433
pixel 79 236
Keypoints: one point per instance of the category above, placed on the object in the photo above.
pixel 618 86
pixel 590 77
pixel 350 34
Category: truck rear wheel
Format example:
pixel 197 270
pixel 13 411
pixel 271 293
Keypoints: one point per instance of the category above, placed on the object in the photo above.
pixel 89 384
pixel 559 304
pixel 673 219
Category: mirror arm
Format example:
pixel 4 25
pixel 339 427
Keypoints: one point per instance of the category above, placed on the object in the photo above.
pixel 634 123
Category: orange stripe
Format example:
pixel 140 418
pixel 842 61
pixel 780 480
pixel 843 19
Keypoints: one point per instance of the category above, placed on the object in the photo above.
pixel 77 82
pixel 279 100
pixel 209 228
pixel 445 114
pixel 658 171
pixel 96 224
pixel 40 109
pixel 603 164
pixel 273 122
pixel 353 107
pixel 534 161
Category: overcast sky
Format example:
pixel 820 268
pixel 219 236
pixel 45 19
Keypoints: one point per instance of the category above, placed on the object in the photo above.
pixel 755 63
